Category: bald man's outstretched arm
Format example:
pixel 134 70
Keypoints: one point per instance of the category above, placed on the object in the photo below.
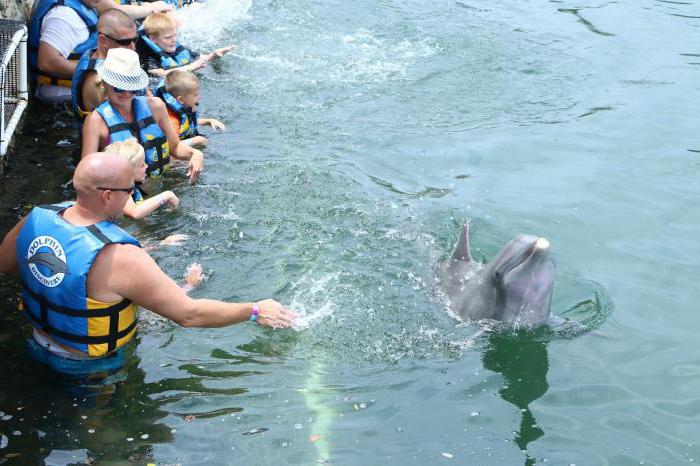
pixel 152 289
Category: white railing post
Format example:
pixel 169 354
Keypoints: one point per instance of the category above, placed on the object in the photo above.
pixel 15 51
pixel 23 84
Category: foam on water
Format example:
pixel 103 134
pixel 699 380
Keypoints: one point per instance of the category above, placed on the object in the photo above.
pixel 312 298
pixel 206 26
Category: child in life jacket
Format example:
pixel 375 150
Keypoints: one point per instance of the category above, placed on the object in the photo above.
pixel 139 206
pixel 160 51
pixel 180 92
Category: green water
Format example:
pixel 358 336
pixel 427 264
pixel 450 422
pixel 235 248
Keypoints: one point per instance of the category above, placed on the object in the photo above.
pixel 361 136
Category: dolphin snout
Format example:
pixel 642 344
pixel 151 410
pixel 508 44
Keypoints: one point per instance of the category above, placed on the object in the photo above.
pixel 542 243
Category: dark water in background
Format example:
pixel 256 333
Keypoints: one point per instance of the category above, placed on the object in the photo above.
pixel 361 135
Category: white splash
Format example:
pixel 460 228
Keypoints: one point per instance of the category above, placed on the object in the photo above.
pixel 309 289
pixel 204 26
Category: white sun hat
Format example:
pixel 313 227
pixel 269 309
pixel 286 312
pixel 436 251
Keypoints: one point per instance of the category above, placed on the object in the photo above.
pixel 122 69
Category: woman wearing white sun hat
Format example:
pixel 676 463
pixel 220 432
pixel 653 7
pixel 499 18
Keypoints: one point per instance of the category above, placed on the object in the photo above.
pixel 125 114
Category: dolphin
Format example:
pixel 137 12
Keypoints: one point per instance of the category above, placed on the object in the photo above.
pixel 49 260
pixel 515 287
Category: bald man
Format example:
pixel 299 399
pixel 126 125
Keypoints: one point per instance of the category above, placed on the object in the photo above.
pixel 116 29
pixel 83 277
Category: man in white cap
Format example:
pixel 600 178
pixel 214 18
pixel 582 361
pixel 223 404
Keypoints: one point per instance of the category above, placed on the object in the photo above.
pixel 124 115
pixel 83 278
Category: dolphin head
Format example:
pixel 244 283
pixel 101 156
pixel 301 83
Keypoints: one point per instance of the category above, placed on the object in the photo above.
pixel 523 276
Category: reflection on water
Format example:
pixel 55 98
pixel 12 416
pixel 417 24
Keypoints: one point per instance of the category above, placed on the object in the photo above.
pixel 61 419
pixel 521 358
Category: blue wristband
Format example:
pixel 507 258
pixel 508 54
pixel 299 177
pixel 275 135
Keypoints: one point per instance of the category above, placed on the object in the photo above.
pixel 255 313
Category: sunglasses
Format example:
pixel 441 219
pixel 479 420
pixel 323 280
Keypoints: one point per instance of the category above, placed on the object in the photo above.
pixel 124 190
pixel 123 42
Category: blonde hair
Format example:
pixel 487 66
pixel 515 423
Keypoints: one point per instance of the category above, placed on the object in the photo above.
pixel 181 82
pixel 156 24
pixel 130 149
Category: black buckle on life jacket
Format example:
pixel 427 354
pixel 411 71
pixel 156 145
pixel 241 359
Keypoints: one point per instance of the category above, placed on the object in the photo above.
pixel 160 162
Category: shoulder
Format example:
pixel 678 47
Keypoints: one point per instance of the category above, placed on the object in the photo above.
pixel 90 77
pixel 120 257
pixel 116 262
pixel 94 118
pixel 94 123
pixel 65 14
pixel 156 104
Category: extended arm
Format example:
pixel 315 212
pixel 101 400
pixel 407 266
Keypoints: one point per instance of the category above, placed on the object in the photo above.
pixel 136 11
pixel 92 92
pixel 8 250
pixel 197 64
pixel 215 124
pixel 152 289
pixel 148 206
pixel 92 132
pixel 177 150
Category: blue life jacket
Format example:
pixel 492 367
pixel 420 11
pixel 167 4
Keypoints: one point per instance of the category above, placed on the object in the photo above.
pixel 144 128
pixel 85 65
pixel 188 118
pixel 181 55
pixel 139 195
pixel 54 258
pixel 89 17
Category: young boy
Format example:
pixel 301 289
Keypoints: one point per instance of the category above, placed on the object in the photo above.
pixel 160 52
pixel 180 92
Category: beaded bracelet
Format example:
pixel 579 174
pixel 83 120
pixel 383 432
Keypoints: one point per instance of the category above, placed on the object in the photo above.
pixel 255 313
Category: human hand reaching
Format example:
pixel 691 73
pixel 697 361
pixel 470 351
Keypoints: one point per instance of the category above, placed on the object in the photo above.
pixel 275 315
pixel 195 165
pixel 220 52
pixel 170 199
pixel 193 276
pixel 174 240
pixel 216 125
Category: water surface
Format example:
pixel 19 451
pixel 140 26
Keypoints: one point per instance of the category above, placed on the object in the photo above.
pixel 361 136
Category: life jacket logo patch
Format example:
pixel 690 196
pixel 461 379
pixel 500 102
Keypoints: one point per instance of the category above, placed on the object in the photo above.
pixel 47 261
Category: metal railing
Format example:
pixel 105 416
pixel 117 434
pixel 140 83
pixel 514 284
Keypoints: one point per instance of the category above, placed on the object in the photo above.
pixel 13 80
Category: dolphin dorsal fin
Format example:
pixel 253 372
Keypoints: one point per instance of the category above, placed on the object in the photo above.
pixel 463 251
